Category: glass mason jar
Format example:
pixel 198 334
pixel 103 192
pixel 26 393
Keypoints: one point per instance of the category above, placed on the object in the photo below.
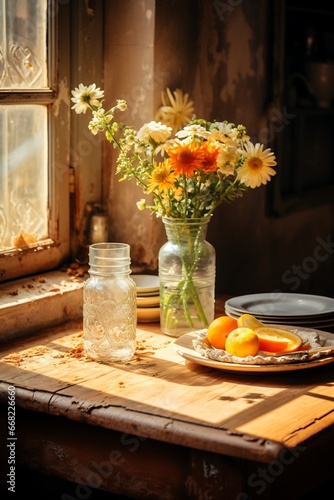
pixel 187 272
pixel 109 304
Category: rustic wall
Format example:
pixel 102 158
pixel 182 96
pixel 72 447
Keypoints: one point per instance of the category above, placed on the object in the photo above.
pixel 221 59
pixel 129 74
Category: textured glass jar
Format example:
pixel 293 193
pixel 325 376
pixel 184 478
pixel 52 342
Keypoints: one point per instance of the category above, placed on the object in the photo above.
pixel 187 272
pixel 109 305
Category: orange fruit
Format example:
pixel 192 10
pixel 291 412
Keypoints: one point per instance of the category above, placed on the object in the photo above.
pixel 271 342
pixel 242 342
pixel 249 321
pixel 272 339
pixel 219 329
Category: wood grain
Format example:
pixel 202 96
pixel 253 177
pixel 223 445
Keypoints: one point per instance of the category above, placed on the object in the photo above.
pixel 161 396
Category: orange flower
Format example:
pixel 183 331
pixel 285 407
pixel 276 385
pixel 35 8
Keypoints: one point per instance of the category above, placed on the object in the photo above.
pixel 211 153
pixel 185 159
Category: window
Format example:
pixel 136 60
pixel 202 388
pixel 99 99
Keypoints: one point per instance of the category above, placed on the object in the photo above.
pixel 302 120
pixel 34 229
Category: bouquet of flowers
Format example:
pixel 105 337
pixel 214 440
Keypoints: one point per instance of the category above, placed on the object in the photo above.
pixel 190 173
pixel 188 166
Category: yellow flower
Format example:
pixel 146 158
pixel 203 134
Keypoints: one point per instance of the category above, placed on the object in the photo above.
pixel 178 194
pixel 185 158
pixel 161 177
pixel 256 169
pixel 176 111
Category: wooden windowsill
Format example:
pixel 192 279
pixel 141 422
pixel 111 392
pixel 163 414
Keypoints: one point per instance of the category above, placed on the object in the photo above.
pixel 40 301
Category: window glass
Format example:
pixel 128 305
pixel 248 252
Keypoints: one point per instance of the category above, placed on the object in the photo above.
pixel 34 136
pixel 23 44
pixel 23 175
pixel 37 62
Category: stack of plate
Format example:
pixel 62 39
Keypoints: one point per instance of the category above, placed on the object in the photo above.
pixel 148 298
pixel 280 308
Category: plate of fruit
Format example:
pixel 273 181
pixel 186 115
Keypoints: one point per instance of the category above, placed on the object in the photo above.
pixel 246 344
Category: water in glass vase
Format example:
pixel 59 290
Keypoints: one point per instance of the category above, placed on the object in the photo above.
pixel 187 267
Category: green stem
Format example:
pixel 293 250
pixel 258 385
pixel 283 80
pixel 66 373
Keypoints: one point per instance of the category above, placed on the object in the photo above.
pixel 185 195
pixel 186 287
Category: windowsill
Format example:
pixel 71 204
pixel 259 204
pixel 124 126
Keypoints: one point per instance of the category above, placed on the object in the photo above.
pixel 40 301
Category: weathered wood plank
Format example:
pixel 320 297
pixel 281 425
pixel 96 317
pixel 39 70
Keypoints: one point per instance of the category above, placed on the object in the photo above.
pixel 160 396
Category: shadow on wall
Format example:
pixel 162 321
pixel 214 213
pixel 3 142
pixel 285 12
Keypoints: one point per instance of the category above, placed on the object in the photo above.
pixel 256 255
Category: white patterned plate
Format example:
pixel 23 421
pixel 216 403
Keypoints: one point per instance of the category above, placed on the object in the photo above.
pixel 184 347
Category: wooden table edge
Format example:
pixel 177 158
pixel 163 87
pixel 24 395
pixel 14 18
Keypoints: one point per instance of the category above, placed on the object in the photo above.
pixel 122 419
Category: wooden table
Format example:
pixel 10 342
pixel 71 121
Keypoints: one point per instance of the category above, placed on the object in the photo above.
pixel 162 427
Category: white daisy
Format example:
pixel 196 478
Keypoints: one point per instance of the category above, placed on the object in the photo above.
pixel 86 97
pixel 256 169
pixel 156 131
pixel 193 131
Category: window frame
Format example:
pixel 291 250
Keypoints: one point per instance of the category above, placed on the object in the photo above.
pixel 281 119
pixel 71 58
pixel 48 253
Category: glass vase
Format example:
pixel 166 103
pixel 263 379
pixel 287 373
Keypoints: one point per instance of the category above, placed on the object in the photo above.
pixel 187 271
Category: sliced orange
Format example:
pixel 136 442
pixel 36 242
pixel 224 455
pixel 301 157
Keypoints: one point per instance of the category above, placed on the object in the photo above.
pixel 273 339
pixel 249 321
pixel 271 342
